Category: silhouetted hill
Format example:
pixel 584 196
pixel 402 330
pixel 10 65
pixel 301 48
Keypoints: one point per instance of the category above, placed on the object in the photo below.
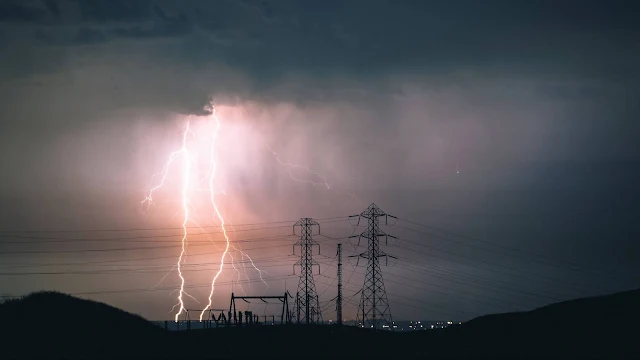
pixel 570 314
pixel 55 326
pixel 61 309
pixel 51 323
pixel 597 327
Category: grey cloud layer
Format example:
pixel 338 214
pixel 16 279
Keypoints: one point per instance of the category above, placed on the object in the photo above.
pixel 268 39
pixel 98 55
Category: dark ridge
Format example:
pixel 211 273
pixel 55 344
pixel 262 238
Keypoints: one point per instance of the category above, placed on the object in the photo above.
pixel 57 326
pixel 50 324
pixel 63 310
pixel 599 327
pixel 585 311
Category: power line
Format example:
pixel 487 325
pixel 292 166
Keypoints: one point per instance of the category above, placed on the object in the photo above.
pixel 473 265
pixel 328 266
pixel 97 272
pixel 471 296
pixel 63 239
pixel 208 285
pixel 160 228
pixel 284 238
pixel 193 264
pixel 544 259
pixel 105 262
pixel 335 257
pixel 355 227
pixel 448 274
pixel 413 250
pixel 552 298
pixel 463 278
pixel 547 278
pixel 394 295
pixel 144 270
pixel 115 271
pixel 431 290
pixel 140 240
pixel 114 249
pixel 160 257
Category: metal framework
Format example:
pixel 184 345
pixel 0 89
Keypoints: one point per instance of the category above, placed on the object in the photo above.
pixel 374 311
pixel 235 317
pixel 307 304
pixel 206 324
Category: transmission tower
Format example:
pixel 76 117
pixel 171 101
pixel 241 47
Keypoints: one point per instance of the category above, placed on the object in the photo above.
pixel 307 304
pixel 339 299
pixel 374 310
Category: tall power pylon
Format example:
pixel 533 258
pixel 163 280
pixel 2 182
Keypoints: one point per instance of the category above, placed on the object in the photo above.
pixel 374 310
pixel 307 304
pixel 339 298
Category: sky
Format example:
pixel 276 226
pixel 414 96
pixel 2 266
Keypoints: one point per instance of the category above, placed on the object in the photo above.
pixel 501 134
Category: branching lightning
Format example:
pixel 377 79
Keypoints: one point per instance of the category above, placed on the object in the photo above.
pixel 186 170
pixel 212 177
pixel 244 255
pixel 291 166
pixel 323 180
pixel 191 181
pixel 198 175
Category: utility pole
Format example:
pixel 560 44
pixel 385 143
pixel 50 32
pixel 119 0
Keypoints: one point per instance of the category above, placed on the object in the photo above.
pixel 374 309
pixel 307 304
pixel 339 299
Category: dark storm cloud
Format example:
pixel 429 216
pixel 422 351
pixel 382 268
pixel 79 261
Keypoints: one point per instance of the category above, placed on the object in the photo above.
pixel 350 37
pixel 52 6
pixel 164 27
pixel 14 11
pixel 104 11
pixel 416 35
pixel 338 51
pixel 82 36
pixel 89 36
pixel 43 37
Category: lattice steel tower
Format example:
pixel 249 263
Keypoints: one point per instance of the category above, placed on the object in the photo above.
pixel 307 304
pixel 374 310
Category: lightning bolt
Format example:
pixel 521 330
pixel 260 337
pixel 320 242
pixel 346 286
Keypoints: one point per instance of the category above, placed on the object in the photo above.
pixel 291 166
pixel 238 274
pixel 324 182
pixel 186 164
pixel 185 208
pixel 244 255
pixel 218 215
pixel 193 181
pixel 212 177
pixel 164 172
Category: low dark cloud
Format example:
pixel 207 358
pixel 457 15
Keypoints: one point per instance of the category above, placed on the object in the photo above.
pixel 89 36
pixel 104 11
pixel 14 11
pixel 324 38
pixel 164 27
pixel 52 6
pixel 299 52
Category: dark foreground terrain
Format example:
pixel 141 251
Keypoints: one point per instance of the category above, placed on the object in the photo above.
pixel 593 328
